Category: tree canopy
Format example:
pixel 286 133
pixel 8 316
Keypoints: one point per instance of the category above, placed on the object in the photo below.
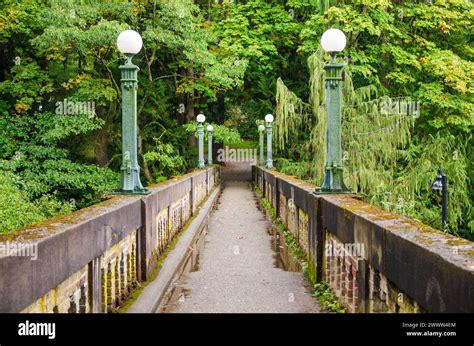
pixel 235 61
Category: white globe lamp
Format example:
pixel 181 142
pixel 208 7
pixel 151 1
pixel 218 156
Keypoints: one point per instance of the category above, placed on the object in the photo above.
pixel 333 40
pixel 129 42
pixel 201 118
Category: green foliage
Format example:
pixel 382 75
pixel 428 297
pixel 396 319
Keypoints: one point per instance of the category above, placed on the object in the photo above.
pixel 301 169
pixel 27 86
pixel 66 50
pixel 16 209
pixel 178 27
pixel 372 140
pixel 235 62
pixel 220 133
pixel 411 192
pixel 165 160
pixel 416 50
pixel 327 298
pixel 289 115
pixel 242 144
pixel 264 34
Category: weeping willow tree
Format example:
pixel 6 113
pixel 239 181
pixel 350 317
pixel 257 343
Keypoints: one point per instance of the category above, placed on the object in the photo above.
pixel 382 162
pixel 373 135
pixel 412 195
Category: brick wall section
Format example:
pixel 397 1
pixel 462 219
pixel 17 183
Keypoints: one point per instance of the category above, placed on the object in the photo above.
pixel 380 261
pixel 68 296
pixel 119 272
pixel 91 260
pixel 341 272
pixel 283 210
pixel 303 230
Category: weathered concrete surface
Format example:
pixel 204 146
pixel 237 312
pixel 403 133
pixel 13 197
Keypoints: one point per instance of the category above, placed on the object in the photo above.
pixel 403 261
pixel 237 171
pixel 151 297
pixel 236 271
pixel 84 241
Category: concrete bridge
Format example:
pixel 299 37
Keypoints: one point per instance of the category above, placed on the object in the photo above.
pixel 214 241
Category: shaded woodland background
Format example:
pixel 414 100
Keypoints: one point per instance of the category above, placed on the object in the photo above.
pixel 224 59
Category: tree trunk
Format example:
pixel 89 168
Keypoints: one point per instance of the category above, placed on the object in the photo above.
pixel 190 116
pixel 182 100
pixel 102 139
pixel 146 169
pixel 219 109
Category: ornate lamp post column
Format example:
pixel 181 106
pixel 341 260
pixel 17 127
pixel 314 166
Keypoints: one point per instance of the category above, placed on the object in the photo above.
pixel 200 119
pixel 333 41
pixel 129 43
pixel 210 128
pixel 269 121
pixel 261 130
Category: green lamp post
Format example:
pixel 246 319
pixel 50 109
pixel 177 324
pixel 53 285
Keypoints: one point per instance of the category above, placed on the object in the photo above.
pixel 333 41
pixel 200 119
pixel 261 130
pixel 129 42
pixel 210 128
pixel 268 122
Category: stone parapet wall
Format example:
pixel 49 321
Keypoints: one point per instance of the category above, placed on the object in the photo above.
pixel 91 260
pixel 372 259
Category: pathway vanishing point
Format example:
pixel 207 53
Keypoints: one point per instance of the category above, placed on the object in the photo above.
pixel 236 265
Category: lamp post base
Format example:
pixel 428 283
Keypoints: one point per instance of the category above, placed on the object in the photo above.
pixel 132 192
pixel 333 181
pixel 321 191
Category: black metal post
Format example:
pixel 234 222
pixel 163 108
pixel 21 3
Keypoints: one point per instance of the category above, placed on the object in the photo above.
pixel 444 200
pixel 441 184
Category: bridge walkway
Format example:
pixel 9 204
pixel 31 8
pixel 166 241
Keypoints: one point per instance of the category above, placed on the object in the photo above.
pixel 237 269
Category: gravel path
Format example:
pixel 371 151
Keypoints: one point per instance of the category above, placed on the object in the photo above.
pixel 236 265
